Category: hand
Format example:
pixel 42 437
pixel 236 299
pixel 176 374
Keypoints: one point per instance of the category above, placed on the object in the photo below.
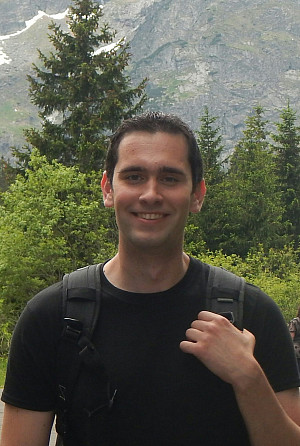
pixel 221 347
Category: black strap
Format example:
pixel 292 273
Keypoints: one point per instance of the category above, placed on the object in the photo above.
pixel 81 307
pixel 225 295
pixel 82 285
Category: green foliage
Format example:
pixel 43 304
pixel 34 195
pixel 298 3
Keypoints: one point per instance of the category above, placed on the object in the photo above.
pixel 287 158
pixel 3 365
pixel 210 144
pixel 51 222
pixel 247 203
pixel 7 173
pixel 193 238
pixel 81 91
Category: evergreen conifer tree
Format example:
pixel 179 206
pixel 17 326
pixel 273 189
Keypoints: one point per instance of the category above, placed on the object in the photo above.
pixel 81 90
pixel 210 144
pixel 200 227
pixel 247 204
pixel 255 204
pixel 287 158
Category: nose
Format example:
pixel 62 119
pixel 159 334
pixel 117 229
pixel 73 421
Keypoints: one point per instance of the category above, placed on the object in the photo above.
pixel 150 193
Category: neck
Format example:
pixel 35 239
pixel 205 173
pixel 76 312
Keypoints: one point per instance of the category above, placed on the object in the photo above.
pixel 146 273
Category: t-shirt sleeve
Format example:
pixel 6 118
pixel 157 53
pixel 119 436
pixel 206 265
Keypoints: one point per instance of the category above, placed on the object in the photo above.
pixel 274 348
pixel 30 378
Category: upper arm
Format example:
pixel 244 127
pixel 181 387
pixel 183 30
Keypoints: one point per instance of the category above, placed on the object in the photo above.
pixel 23 427
pixel 290 401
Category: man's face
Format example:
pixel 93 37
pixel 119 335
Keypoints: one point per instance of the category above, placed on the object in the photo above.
pixel 152 190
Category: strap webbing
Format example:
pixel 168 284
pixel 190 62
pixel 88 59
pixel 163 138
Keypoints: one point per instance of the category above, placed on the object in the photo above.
pixel 81 306
pixel 78 286
pixel 225 294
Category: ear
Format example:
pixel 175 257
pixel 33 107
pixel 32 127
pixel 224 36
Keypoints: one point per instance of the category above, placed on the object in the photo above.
pixel 107 191
pixel 198 197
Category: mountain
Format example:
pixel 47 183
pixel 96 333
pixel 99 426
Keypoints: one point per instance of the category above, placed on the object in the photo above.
pixel 229 55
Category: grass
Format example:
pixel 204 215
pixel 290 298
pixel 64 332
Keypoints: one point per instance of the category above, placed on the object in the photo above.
pixel 3 362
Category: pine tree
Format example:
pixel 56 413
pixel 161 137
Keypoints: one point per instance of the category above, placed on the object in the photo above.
pixel 81 90
pixel 287 158
pixel 210 144
pixel 198 232
pixel 254 141
pixel 247 203
pixel 257 205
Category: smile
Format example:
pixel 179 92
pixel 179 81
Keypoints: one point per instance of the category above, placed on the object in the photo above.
pixel 147 216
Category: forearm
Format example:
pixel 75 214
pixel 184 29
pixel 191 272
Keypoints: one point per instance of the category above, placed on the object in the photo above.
pixel 267 422
pixel 25 428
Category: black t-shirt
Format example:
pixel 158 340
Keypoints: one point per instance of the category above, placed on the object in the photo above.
pixel 164 396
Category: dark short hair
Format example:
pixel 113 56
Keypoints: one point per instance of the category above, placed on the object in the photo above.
pixel 153 122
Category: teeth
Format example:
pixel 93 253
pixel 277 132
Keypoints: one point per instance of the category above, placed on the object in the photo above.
pixel 150 216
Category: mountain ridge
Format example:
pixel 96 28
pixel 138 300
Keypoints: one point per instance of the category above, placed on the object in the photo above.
pixel 229 56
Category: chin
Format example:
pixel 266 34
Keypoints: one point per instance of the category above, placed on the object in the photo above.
pixel 149 245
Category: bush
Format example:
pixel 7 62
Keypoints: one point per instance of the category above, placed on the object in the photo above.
pixel 51 222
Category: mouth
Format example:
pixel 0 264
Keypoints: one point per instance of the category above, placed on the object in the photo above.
pixel 149 216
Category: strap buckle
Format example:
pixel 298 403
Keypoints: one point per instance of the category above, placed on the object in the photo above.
pixel 73 328
pixel 229 315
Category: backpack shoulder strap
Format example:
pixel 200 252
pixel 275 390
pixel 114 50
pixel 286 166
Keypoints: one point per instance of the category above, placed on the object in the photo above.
pixel 81 301
pixel 225 294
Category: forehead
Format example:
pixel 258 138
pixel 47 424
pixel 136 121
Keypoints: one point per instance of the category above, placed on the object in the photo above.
pixel 158 146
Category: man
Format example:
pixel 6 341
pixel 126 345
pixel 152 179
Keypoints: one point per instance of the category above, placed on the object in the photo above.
pixel 183 376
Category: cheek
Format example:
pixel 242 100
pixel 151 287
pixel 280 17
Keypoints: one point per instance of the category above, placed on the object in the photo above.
pixel 182 201
pixel 123 199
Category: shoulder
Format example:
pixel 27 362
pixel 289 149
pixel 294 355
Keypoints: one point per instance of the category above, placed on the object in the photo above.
pixel 47 297
pixel 198 269
pixel 43 310
pixel 261 308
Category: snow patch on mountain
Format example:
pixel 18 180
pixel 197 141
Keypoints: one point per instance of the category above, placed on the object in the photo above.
pixel 4 59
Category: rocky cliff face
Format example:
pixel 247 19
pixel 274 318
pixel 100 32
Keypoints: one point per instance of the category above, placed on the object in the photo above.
pixel 229 55
pixel 13 14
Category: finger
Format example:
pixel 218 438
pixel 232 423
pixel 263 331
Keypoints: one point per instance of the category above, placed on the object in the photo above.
pixel 193 334
pixel 249 336
pixel 210 324
pixel 219 320
pixel 208 316
pixel 198 325
pixel 187 347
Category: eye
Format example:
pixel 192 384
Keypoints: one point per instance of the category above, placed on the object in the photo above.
pixel 169 179
pixel 134 178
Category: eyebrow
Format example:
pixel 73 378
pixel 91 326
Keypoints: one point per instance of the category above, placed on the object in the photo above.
pixel 164 169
